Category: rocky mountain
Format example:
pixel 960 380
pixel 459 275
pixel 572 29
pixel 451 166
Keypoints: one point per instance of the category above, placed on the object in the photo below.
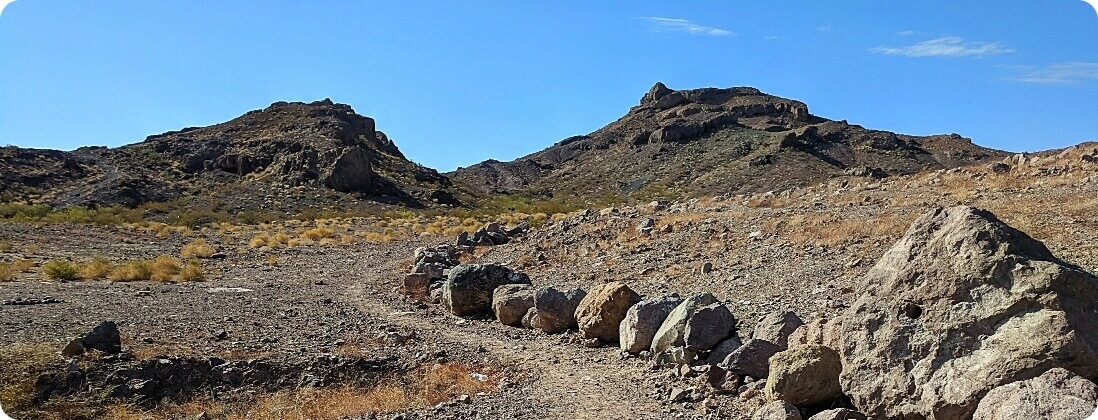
pixel 290 155
pixel 706 141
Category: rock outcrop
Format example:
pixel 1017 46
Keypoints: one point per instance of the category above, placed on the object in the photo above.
pixel 737 140
pixel 961 305
pixel 1055 395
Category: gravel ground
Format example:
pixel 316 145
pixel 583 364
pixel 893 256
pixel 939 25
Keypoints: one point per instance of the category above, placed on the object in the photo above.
pixel 340 298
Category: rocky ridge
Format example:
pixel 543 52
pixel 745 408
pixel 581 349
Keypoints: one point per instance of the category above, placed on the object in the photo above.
pixel 714 141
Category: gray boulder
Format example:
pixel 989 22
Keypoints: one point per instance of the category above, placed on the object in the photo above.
pixel 671 332
pixel 709 325
pixel 469 287
pixel 510 302
pixel 554 310
pixel 1055 395
pixel 961 305
pixel 804 376
pixel 723 349
pixel 776 327
pixel 751 359
pixel 777 410
pixel 642 320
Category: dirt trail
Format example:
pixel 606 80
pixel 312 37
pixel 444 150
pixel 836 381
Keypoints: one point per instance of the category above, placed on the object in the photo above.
pixel 568 380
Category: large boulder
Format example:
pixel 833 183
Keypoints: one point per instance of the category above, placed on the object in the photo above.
pixel 776 327
pixel 709 325
pixel 510 302
pixel 469 287
pixel 963 304
pixel 777 410
pixel 804 376
pixel 751 359
pixel 642 320
pixel 1055 395
pixel 554 311
pixel 600 313
pixel 670 334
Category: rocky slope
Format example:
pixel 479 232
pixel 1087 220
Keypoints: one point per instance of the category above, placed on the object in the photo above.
pixel 712 141
pixel 297 152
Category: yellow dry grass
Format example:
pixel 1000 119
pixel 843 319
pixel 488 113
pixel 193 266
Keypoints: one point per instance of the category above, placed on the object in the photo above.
pixel 96 269
pixel 197 249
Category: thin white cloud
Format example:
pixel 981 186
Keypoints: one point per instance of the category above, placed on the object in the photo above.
pixel 771 37
pixel 905 33
pixel 662 24
pixel 946 46
pixel 826 29
pixel 4 4
pixel 1069 74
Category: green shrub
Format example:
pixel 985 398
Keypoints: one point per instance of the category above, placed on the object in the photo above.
pixel 60 270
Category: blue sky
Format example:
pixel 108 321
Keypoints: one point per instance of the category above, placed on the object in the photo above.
pixel 454 83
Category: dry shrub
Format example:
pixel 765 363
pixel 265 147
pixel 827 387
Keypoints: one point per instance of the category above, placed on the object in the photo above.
pixel 22 265
pixel 833 231
pixel 259 241
pixel 197 249
pixel 164 268
pixel 132 271
pixel 20 366
pixel 317 234
pixel 271 260
pixel 192 271
pixel 96 269
pixel 34 249
pixel 425 387
pixel 6 246
pixel 6 272
pixel 60 270
pixel 346 239
pixel 278 239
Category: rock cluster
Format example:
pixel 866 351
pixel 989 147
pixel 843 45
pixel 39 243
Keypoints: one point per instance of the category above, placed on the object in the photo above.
pixel 491 234
pixel 429 269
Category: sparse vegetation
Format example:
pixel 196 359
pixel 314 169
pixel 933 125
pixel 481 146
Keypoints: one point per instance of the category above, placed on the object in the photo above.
pixel 60 270
pixel 197 249
pixel 95 269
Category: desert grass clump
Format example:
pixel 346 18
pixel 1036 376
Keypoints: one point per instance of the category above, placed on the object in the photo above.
pixel 259 241
pixel 318 233
pixel 278 239
pixel 6 272
pixel 132 271
pixel 199 248
pixel 96 269
pixel 192 271
pixel 20 367
pixel 60 270
pixel 6 246
pixel 22 265
pixel 164 268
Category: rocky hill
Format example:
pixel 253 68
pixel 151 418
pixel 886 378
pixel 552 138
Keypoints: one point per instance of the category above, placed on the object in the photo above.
pixel 289 156
pixel 707 141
